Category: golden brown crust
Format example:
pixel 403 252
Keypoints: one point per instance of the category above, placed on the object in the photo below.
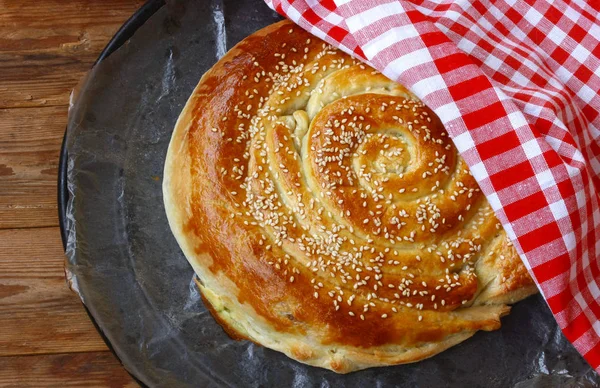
pixel 326 212
pixel 230 329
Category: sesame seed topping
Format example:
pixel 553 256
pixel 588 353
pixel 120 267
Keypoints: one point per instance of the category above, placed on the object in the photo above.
pixel 341 195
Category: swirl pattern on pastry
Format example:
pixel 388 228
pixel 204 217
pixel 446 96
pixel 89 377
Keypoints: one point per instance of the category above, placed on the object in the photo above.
pixel 327 213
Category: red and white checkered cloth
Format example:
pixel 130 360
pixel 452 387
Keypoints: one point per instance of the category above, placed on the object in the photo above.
pixel 516 83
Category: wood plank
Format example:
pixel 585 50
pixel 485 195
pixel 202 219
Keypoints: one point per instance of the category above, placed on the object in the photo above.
pixel 47 46
pixel 45 49
pixel 38 312
pixel 97 369
pixel 30 141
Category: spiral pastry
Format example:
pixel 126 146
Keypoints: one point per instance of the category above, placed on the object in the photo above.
pixel 326 212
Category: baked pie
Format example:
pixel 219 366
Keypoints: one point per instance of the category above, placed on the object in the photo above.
pixel 327 213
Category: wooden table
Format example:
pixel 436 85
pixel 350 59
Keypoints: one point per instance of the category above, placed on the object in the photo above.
pixel 46 46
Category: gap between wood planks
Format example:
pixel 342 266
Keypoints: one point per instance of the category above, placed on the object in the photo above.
pixel 47 46
pixel 30 141
pixel 39 314
pixel 91 369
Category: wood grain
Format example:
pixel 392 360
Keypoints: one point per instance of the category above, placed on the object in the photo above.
pixel 38 312
pixel 97 369
pixel 47 46
pixel 46 338
pixel 30 141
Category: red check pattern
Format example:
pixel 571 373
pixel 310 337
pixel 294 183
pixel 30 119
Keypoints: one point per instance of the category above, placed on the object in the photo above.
pixel 516 84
